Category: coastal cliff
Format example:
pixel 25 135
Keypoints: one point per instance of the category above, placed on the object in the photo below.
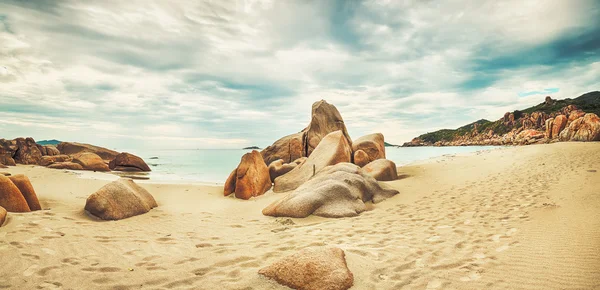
pixel 551 121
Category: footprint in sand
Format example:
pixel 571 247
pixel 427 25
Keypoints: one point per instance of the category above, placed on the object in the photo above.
pixel 434 284
pixel 502 249
pixel 49 251
pixel 29 271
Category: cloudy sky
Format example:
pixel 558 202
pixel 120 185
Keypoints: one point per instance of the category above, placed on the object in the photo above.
pixel 227 74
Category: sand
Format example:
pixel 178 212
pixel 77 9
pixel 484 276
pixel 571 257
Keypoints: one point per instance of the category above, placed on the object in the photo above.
pixel 509 218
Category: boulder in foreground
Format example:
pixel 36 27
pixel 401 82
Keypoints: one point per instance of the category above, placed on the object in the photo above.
pixel 26 189
pixel 333 149
pixel 312 269
pixel 3 214
pixel 335 191
pixel 250 178
pixel 90 161
pixel 120 199
pixel 382 170
pixel 129 163
pixel 11 197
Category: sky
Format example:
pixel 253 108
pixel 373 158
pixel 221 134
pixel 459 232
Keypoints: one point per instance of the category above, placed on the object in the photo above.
pixel 230 74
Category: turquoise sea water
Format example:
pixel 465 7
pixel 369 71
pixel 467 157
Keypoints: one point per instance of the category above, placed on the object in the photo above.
pixel 214 165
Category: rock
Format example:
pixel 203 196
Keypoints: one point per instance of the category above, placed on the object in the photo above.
pixel 333 149
pixel 250 178
pixel 10 196
pixel 51 150
pixel 42 149
pixel 47 160
pixel 325 120
pixel 382 170
pixel 372 144
pixel 340 190
pixel 361 158
pixel 73 148
pixel 288 148
pixel 128 162
pixel 586 128
pixel 312 269
pixel 120 199
pixel 90 161
pixel 574 115
pixel 7 151
pixel 548 101
pixel 27 152
pixel 2 216
pixel 549 123
pixel 559 123
pixel 5 173
pixel 7 160
pixel 26 189
pixel 66 165
pixel 278 168
pixel 3 166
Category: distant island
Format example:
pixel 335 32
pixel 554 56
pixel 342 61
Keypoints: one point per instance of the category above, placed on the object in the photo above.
pixel 386 144
pixel 48 142
pixel 251 148
pixel 551 121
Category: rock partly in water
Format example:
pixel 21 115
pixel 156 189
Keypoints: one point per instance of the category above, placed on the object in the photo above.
pixel 73 148
pixel 11 197
pixel 288 148
pixel 333 149
pixel 586 128
pixel 312 269
pixel 279 168
pixel 129 163
pixel 382 170
pixel 372 144
pixel 66 165
pixel 250 178
pixel 90 161
pixel 24 185
pixel 325 119
pixel 3 215
pixel 120 199
pixel 361 158
pixel 47 160
pixel 340 190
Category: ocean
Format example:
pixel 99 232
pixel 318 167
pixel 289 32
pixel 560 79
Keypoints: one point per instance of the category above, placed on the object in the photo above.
pixel 214 165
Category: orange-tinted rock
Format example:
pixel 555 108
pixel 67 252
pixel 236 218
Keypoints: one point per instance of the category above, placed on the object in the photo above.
pixel 251 177
pixel 229 186
pixel 11 197
pixel 312 269
pixel 5 159
pixel 128 162
pixel 372 144
pixel 26 189
pixel 325 119
pixel 73 148
pixel 586 128
pixel 66 165
pixel 51 150
pixel 382 170
pixel 361 158
pixel 28 152
pixel 574 115
pixel 3 214
pixel 90 161
pixel 333 149
pixel 548 126
pixel 288 148
pixel 278 168
pixel 120 199
pixel 560 122
pixel 47 160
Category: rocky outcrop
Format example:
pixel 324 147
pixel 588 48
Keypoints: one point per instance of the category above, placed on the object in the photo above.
pixel 361 158
pixel 372 144
pixel 128 162
pixel 47 160
pixel 312 269
pixel 66 165
pixel 51 150
pixel 120 199
pixel 559 123
pixel 27 151
pixel 288 148
pixel 278 168
pixel 340 190
pixel 586 128
pixel 325 119
pixel 382 170
pixel 73 148
pixel 26 189
pixel 3 215
pixel 11 197
pixel 251 177
pixel 90 161
pixel 332 149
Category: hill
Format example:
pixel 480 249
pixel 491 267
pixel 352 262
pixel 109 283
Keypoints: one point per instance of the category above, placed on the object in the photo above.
pixel 48 142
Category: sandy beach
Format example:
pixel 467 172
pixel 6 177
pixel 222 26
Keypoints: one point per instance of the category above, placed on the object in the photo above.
pixel 509 218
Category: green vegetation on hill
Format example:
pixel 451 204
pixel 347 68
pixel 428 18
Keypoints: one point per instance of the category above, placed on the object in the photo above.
pixel 589 103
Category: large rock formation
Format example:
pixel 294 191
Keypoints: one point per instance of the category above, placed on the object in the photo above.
pixel 47 160
pixel 66 165
pixel 27 151
pixel 120 199
pixel 73 148
pixel 128 162
pixel 325 119
pixel 90 161
pixel 382 170
pixel 372 144
pixel 312 269
pixel 332 149
pixel 288 148
pixel 586 128
pixel 11 197
pixel 26 189
pixel 279 168
pixel 250 178
pixel 340 190
pixel 2 216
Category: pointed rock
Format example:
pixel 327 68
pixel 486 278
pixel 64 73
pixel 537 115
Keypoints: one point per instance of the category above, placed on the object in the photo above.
pixel 250 178
pixel 325 119
pixel 26 189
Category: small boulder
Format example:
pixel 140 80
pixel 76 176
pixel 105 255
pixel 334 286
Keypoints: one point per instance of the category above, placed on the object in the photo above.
pixel 361 158
pixel 11 197
pixel 120 199
pixel 372 144
pixel 26 189
pixel 288 148
pixel 335 191
pixel 312 269
pixel 279 168
pixel 129 163
pixel 47 160
pixel 333 149
pixel 3 214
pixel 90 161
pixel 251 178
pixel 66 165
pixel 382 170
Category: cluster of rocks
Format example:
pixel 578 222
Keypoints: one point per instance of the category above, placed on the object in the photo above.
pixel 307 163
pixel 68 155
